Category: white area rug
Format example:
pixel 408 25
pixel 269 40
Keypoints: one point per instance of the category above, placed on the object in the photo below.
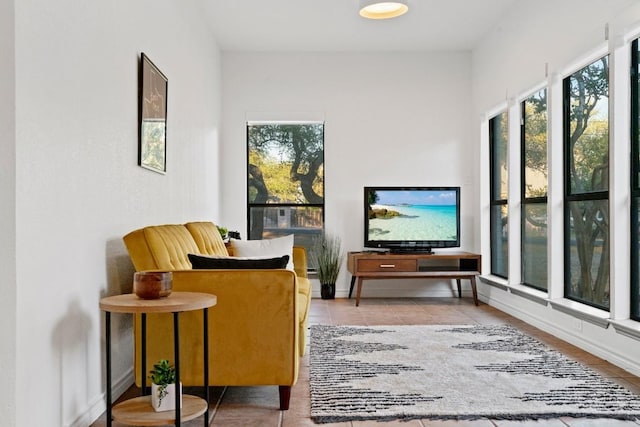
pixel 452 372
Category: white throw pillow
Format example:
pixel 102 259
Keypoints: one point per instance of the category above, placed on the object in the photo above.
pixel 265 248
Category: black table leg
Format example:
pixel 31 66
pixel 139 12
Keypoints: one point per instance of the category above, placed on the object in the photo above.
pixel 143 354
pixel 205 343
pixel 107 329
pixel 176 350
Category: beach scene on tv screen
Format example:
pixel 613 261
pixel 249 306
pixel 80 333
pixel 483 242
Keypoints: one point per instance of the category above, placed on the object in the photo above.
pixel 412 215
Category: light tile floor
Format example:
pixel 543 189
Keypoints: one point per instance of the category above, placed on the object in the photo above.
pixel 258 406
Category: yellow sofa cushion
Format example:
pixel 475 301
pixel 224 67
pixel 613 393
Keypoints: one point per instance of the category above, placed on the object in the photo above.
pixel 207 237
pixel 304 305
pixel 161 247
pixel 300 261
pixel 304 286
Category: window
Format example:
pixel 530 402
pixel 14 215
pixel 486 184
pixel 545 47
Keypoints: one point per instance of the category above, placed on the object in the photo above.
pixel 498 142
pixel 635 180
pixel 586 176
pixel 285 180
pixel 533 135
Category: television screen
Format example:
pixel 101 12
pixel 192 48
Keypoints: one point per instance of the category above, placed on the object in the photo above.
pixel 412 218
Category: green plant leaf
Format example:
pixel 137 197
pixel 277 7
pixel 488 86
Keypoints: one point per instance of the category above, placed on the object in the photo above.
pixel 327 254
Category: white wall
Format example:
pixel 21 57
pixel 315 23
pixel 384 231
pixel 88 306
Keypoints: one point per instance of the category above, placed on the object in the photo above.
pixel 7 215
pixel 79 189
pixel 508 64
pixel 512 58
pixel 390 119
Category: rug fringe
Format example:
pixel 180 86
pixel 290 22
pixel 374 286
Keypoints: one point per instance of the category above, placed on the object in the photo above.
pixel 502 417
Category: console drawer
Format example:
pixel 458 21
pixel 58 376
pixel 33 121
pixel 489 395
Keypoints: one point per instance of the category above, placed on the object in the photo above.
pixel 368 265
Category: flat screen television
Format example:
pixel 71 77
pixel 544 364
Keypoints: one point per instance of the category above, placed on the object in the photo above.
pixel 411 219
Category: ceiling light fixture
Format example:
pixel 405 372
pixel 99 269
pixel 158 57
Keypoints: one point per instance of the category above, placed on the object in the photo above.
pixel 378 9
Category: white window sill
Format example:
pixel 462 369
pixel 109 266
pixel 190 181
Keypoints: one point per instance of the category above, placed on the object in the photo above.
pixel 582 311
pixel 629 328
pixel 517 289
pixel 495 281
pixel 596 316
pixel 530 293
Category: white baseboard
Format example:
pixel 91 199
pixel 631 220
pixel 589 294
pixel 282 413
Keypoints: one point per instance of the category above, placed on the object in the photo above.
pixel 98 404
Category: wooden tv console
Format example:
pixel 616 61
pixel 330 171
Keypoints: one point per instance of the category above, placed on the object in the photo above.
pixel 382 265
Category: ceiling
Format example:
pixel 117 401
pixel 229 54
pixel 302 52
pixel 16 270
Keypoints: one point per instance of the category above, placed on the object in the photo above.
pixel 335 26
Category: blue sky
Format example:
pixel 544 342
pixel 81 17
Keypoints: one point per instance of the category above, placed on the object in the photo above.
pixel 416 197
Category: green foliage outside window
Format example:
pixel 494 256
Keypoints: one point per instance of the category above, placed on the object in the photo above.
pixel 534 191
pixel 499 142
pixel 285 180
pixel 587 175
pixel 286 163
pixel 535 145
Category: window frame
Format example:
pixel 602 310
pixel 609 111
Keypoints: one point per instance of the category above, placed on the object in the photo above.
pixel 528 201
pixel 287 205
pixel 496 200
pixel 634 74
pixel 571 196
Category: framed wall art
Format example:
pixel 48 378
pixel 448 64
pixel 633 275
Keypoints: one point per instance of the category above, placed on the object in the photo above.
pixel 152 113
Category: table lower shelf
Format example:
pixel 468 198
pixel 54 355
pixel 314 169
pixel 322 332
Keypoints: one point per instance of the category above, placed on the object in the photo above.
pixel 138 411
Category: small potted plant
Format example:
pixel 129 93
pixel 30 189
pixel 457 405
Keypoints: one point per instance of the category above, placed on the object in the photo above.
pixel 327 255
pixel 224 232
pixel 163 387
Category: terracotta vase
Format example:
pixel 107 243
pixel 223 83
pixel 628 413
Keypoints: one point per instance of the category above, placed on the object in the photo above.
pixel 152 284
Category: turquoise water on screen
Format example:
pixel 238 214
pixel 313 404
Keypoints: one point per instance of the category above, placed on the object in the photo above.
pixel 416 222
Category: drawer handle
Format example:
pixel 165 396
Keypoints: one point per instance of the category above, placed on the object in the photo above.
pixel 387 266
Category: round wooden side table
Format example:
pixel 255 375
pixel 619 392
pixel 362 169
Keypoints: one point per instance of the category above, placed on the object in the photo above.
pixel 138 411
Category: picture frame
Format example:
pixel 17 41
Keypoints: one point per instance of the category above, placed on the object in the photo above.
pixel 152 116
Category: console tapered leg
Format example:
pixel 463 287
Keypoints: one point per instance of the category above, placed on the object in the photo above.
pixel 475 291
pixel 359 291
pixel 353 282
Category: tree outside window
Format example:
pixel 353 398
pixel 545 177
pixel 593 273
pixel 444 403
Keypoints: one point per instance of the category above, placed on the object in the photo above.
pixel 285 180
pixel 586 145
pixel 498 141
pixel 534 190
